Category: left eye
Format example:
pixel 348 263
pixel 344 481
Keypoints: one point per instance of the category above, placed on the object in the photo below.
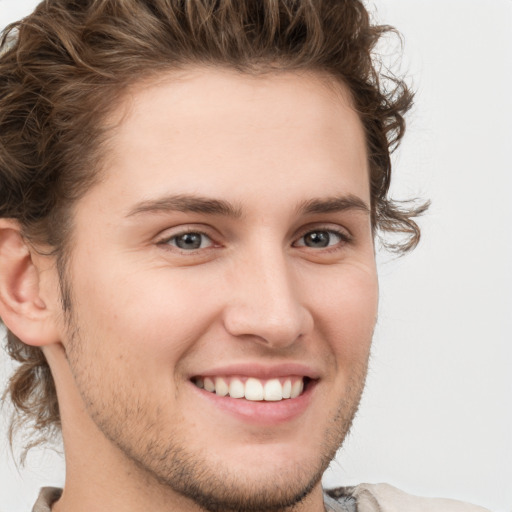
pixel 190 241
pixel 320 239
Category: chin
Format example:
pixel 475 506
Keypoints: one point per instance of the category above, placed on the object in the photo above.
pixel 256 488
pixel 264 477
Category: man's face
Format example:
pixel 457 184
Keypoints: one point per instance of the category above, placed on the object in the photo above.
pixel 227 246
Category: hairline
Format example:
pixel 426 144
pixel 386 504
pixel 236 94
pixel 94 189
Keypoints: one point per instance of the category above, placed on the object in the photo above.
pixel 120 110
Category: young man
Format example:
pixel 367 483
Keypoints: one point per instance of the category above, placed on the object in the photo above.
pixel 190 197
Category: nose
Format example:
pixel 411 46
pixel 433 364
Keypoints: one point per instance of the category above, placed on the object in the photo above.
pixel 265 302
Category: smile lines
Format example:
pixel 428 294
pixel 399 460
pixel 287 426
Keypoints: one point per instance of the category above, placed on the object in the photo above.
pixel 272 390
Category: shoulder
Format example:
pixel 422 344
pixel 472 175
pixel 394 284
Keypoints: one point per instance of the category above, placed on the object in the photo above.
pixel 386 498
pixel 47 497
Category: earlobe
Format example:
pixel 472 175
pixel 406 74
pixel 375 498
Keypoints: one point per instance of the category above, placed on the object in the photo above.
pixel 22 307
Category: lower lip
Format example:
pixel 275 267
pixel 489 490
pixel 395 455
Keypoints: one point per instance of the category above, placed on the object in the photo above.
pixel 261 413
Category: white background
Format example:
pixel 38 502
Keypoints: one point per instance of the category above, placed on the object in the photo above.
pixel 436 418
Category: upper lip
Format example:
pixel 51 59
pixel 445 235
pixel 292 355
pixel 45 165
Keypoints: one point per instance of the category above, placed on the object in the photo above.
pixel 261 371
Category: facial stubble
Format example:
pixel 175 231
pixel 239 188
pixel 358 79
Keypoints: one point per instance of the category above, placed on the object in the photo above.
pixel 124 419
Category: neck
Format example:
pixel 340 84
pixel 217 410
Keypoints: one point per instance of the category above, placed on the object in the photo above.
pixel 94 485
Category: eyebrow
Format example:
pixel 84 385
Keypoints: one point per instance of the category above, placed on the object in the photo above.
pixel 210 206
pixel 334 204
pixel 187 203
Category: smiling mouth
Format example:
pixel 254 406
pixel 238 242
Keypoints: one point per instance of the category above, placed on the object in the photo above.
pixel 252 389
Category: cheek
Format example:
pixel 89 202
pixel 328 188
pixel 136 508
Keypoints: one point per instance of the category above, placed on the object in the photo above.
pixel 348 313
pixel 148 319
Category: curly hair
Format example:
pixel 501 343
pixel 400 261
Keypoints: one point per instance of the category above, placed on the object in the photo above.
pixel 64 69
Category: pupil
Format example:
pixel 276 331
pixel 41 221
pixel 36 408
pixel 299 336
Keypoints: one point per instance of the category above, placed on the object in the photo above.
pixel 317 239
pixel 189 241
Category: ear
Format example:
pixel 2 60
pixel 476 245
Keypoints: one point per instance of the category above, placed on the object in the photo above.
pixel 22 306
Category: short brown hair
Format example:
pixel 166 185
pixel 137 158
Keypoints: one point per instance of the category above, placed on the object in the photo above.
pixel 64 68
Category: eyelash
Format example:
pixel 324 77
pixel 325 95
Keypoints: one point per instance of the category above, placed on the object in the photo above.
pixel 168 240
pixel 343 236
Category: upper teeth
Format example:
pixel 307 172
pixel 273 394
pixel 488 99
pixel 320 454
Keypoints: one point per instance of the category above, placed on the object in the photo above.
pixel 252 389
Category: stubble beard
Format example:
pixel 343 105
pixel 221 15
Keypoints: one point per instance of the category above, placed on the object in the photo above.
pixel 218 490
pixel 134 430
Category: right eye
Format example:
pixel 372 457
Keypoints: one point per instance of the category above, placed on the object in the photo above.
pixel 189 241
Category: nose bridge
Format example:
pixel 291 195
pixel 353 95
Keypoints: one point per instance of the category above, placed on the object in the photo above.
pixel 266 301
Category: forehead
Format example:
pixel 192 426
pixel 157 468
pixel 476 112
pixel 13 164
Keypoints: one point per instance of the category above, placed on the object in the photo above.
pixel 208 129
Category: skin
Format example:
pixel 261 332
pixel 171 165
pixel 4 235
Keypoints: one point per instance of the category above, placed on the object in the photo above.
pixel 147 316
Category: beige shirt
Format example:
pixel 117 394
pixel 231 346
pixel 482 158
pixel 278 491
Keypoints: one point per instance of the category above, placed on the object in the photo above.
pixel 361 498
